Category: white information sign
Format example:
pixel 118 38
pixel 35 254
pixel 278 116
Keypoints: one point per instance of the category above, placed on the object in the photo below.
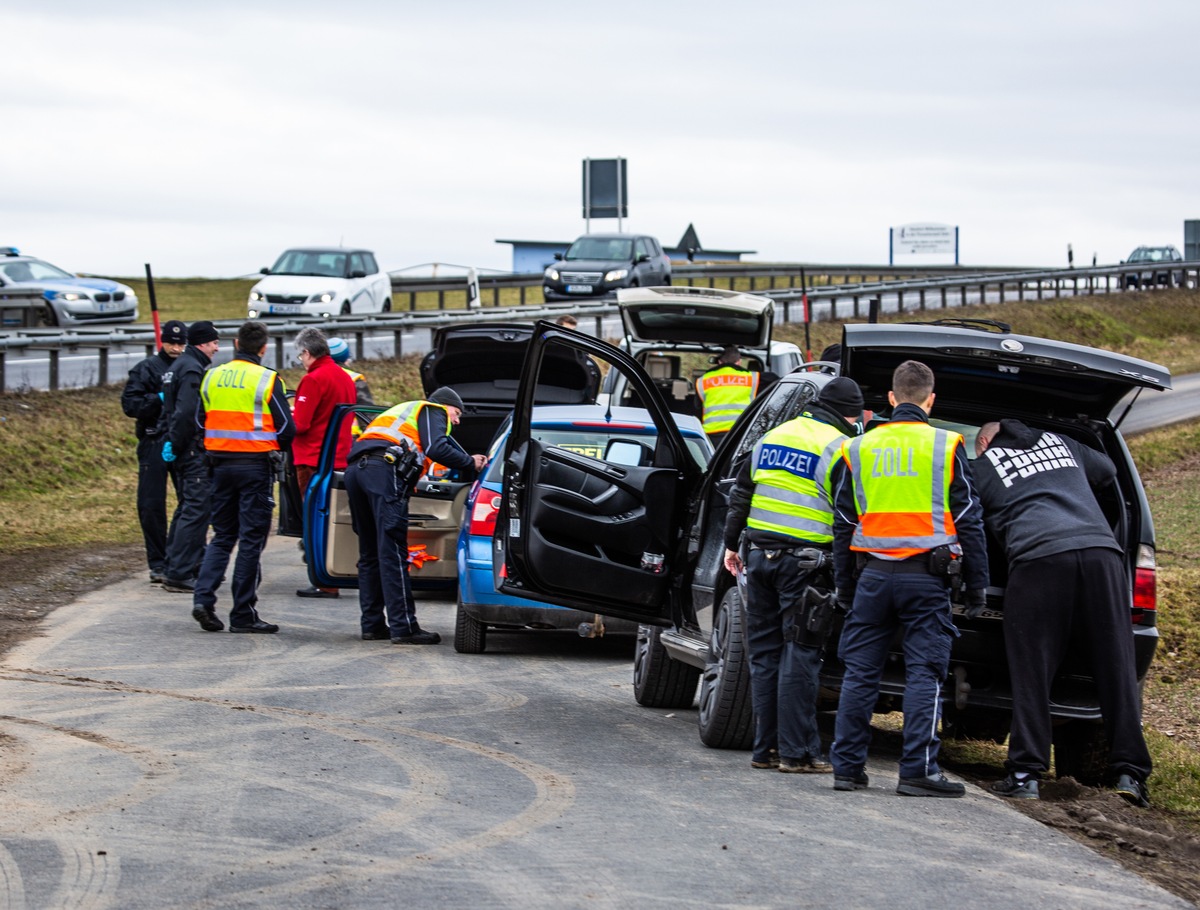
pixel 934 239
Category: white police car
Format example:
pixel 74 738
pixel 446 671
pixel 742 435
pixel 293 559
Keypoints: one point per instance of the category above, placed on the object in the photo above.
pixel 70 299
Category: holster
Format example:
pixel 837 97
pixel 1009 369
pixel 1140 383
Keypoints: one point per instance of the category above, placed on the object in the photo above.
pixel 814 618
pixel 407 463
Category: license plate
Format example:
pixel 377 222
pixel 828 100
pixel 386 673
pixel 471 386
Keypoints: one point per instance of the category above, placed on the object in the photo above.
pixel 579 289
pixel 284 308
pixel 109 307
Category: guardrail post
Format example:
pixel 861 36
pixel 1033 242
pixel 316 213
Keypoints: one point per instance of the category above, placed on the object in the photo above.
pixel 900 300
pixel 358 344
pixel 441 300
pixel 2 370
pixel 103 376
pixel 53 352
pixel 412 301
pixel 983 292
pixel 522 290
pixel 945 302
pixel 278 353
pixel 921 299
pixel 149 350
pixel 397 344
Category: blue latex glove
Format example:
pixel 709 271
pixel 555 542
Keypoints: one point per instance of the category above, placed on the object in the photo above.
pixel 160 397
pixel 168 452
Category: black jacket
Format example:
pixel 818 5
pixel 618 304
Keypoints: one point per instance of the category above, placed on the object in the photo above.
pixel 181 401
pixel 140 400
pixel 743 489
pixel 964 507
pixel 281 414
pixel 1036 489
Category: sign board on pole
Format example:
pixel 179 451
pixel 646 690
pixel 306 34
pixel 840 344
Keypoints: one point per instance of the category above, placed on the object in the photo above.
pixel 926 238
pixel 605 190
pixel 473 301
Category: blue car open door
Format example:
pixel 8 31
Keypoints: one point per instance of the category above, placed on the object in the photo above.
pixel 596 533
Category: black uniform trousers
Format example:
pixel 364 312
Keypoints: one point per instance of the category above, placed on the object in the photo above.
pixel 152 500
pixel 242 506
pixel 189 525
pixel 379 512
pixel 1079 598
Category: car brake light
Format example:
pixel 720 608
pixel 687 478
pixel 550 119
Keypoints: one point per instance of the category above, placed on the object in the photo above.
pixel 483 514
pixel 1145 588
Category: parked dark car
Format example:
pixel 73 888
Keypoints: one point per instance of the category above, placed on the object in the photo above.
pixel 596 265
pixel 1154 268
pixel 646 543
pixel 482 362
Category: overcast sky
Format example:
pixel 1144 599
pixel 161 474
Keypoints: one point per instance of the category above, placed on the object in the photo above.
pixel 206 138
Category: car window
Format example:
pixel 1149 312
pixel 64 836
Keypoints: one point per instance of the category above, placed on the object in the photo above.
pixel 643 248
pixel 372 267
pixel 357 263
pixel 593 442
pixel 785 402
pixel 606 248
pixel 32 270
pixel 326 263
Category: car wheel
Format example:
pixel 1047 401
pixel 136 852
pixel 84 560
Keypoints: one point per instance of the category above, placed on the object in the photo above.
pixel 726 715
pixel 470 635
pixel 983 725
pixel 1081 751
pixel 50 315
pixel 660 681
pixel 387 306
pixel 345 307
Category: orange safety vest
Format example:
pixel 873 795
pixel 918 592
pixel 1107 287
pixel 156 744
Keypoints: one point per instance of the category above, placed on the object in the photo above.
pixel 725 392
pixel 902 474
pixel 398 425
pixel 237 408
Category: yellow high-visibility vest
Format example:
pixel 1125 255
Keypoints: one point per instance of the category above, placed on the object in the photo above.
pixel 790 467
pixel 237 408
pixel 726 392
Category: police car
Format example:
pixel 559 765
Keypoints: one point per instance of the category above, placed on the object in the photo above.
pixel 645 542
pixel 70 299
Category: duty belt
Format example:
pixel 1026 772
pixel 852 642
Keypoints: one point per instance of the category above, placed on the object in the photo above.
pixel 810 557
pixel 914 565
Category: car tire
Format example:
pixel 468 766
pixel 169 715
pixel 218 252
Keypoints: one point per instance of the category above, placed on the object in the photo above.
pixel 978 724
pixel 345 308
pixel 1081 751
pixel 660 681
pixel 470 635
pixel 50 316
pixel 726 715
pixel 387 306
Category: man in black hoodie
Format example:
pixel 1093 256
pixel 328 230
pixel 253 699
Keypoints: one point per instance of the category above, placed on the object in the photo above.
pixel 781 517
pixel 184 445
pixel 1066 578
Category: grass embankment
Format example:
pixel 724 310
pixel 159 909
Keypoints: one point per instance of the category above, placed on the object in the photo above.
pixel 71 472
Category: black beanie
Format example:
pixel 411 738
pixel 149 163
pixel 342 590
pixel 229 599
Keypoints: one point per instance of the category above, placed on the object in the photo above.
pixel 842 396
pixel 447 396
pixel 201 332
pixel 174 332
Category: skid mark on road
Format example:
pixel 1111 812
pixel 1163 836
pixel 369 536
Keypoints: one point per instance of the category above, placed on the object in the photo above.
pixel 425 794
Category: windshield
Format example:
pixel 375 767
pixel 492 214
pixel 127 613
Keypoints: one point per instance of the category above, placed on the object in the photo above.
pixel 607 248
pixel 330 264
pixel 1151 254
pixel 32 270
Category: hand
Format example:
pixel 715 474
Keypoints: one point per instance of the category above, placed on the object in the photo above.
pixel 480 461
pixel 845 600
pixel 976 603
pixel 733 562
pixel 168 452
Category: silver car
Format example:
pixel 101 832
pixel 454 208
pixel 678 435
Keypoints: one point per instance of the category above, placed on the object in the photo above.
pixel 70 299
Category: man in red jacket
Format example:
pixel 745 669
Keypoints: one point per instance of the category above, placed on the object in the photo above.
pixel 325 385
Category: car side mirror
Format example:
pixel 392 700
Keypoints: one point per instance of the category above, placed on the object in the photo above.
pixel 358 273
pixel 558 256
pixel 628 452
pixel 641 257
pixel 264 271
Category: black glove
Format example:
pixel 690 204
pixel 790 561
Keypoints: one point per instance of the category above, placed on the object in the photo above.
pixel 845 600
pixel 976 603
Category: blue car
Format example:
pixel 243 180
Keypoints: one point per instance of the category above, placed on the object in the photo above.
pixel 70 299
pixel 622 436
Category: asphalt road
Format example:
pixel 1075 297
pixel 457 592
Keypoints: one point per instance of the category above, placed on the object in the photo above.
pixel 147 764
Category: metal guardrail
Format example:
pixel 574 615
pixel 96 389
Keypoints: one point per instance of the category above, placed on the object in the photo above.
pixel 844 300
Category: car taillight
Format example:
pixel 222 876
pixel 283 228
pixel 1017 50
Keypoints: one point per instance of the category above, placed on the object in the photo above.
pixel 483 514
pixel 1145 587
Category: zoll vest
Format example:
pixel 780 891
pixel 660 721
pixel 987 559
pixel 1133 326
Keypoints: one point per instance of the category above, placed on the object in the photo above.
pixel 398 425
pixel 790 467
pixel 237 406
pixel 902 474
pixel 726 392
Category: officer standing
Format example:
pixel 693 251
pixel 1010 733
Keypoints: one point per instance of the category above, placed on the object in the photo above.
pixel 725 391
pixel 908 506
pixel 1067 582
pixel 184 445
pixel 384 464
pixel 142 399
pixel 340 352
pixel 246 420
pixel 782 502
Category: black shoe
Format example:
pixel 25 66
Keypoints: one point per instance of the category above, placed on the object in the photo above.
pixel 378 635
pixel 208 619
pixel 933 785
pixel 771 762
pixel 178 587
pixel 805 766
pixel 858 781
pixel 315 592
pixel 157 578
pixel 1016 788
pixel 1133 791
pixel 263 628
pixel 420 637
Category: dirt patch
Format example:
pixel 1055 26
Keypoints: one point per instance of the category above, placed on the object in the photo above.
pixel 1153 843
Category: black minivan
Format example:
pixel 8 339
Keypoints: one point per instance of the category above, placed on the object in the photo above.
pixel 646 542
